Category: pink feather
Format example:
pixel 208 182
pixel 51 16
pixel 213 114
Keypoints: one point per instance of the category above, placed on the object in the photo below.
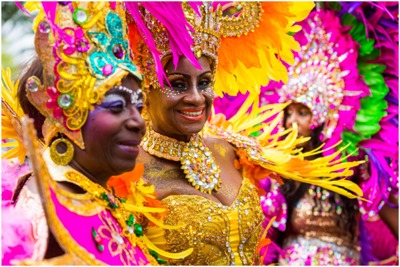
pixel 172 17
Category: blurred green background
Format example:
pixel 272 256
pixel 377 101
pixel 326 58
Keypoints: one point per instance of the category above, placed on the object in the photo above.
pixel 17 47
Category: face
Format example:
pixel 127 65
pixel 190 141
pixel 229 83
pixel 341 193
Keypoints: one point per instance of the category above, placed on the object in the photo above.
pixel 301 114
pixel 182 109
pixel 113 132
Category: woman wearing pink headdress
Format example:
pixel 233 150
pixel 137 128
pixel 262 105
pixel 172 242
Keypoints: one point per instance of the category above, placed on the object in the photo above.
pixel 330 87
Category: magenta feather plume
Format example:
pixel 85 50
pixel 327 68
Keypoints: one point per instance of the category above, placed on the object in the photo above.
pixel 133 9
pixel 195 6
pixel 172 17
pixel 23 9
pixel 50 10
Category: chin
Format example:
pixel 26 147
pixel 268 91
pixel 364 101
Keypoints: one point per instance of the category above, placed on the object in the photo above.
pixel 123 168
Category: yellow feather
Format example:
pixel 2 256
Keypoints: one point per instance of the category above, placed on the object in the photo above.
pixel 11 117
pixel 281 156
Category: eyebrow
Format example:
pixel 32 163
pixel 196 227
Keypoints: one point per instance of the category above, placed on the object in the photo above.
pixel 188 76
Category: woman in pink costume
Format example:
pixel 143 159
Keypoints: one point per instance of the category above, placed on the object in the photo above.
pixel 332 85
pixel 83 92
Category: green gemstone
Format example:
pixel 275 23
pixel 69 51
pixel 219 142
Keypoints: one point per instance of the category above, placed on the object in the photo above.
pixel 100 248
pixel 80 16
pixel 161 261
pixel 94 233
pixel 153 253
pixel 130 220
pixel 65 101
pixel 138 229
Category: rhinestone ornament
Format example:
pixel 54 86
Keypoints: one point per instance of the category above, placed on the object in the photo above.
pixel 118 51
pixel 65 101
pixel 80 16
pixel 108 69
pixel 44 27
pixel 33 84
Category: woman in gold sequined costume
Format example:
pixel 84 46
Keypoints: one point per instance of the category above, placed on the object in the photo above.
pixel 83 92
pixel 203 171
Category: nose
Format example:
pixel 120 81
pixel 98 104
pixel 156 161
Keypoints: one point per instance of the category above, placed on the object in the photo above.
pixel 194 97
pixel 291 119
pixel 135 122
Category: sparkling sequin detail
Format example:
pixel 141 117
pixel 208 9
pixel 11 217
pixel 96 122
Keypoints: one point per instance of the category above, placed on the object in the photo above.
pixel 198 164
pixel 316 238
pixel 301 251
pixel 115 53
pixel 220 235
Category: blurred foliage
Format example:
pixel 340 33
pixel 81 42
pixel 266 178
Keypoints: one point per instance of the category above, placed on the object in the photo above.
pixel 11 13
pixel 15 27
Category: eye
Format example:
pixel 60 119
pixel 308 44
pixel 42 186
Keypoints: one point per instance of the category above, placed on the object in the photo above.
pixel 178 85
pixel 304 112
pixel 114 102
pixel 204 83
pixel 139 106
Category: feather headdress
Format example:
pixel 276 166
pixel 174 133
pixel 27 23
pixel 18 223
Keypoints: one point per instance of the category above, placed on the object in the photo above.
pixel 226 32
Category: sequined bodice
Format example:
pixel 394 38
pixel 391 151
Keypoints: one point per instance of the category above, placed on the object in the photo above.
pixel 220 235
pixel 316 235
pixel 321 221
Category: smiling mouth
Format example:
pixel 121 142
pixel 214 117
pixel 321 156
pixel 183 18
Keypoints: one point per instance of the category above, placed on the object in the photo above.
pixel 130 147
pixel 192 115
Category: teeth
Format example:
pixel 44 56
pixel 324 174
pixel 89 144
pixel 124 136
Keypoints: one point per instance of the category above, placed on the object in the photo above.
pixel 192 114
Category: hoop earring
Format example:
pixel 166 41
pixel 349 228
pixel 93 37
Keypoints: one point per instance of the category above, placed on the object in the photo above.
pixel 61 158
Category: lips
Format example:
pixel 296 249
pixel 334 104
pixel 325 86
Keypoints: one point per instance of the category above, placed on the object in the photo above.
pixel 192 114
pixel 130 147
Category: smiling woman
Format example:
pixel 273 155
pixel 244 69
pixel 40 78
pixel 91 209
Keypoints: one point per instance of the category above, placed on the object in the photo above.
pixel 182 108
pixel 203 167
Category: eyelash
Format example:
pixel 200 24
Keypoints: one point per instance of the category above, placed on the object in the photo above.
pixel 117 106
pixel 179 85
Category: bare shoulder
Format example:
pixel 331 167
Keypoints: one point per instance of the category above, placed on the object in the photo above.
pixel 220 147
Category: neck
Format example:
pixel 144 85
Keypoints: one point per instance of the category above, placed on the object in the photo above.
pixel 96 178
pixel 181 138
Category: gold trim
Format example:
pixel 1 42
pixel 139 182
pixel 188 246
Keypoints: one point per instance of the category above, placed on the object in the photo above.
pixel 45 182
pixel 248 18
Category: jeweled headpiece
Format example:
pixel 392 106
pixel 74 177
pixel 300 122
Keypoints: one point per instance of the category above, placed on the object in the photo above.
pixel 200 31
pixel 324 76
pixel 84 51
pixel 247 41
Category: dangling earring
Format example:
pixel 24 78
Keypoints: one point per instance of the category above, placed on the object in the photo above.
pixel 61 158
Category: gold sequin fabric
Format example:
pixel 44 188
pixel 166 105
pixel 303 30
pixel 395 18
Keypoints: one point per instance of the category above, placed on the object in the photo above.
pixel 322 224
pixel 220 235
pixel 316 237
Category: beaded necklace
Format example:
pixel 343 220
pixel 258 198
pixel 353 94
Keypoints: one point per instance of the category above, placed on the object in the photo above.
pixel 196 159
